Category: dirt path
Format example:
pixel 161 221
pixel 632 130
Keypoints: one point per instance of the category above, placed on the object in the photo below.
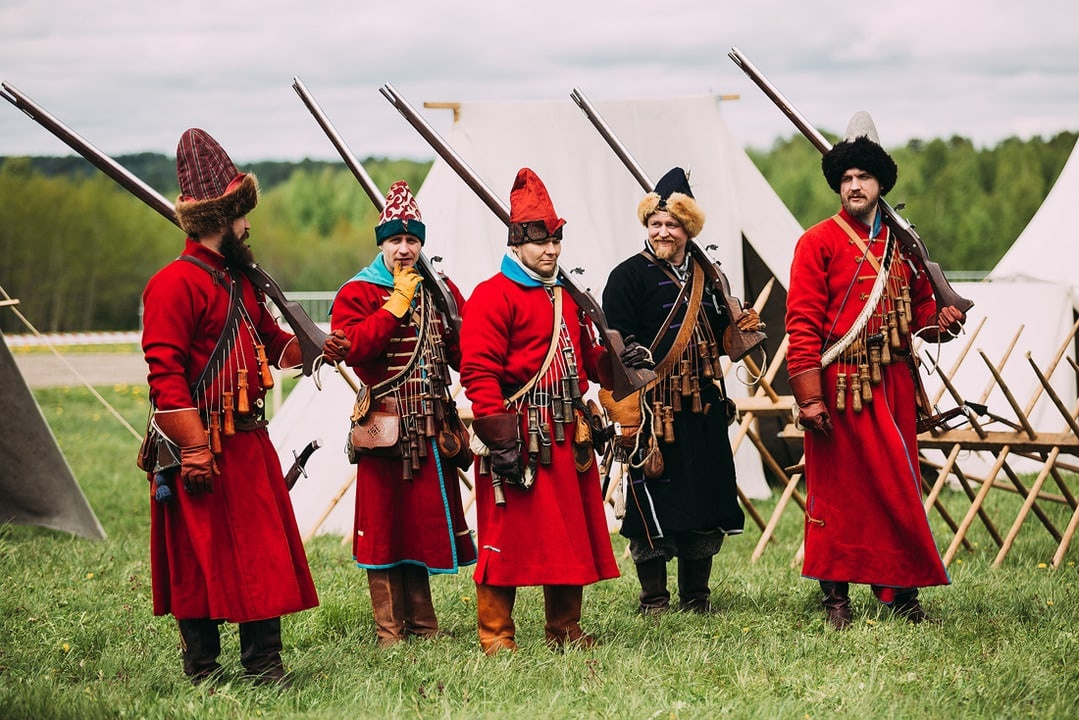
pixel 46 370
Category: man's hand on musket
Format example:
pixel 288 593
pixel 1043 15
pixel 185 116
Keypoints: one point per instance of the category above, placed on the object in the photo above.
pixel 336 347
pixel 950 321
pixel 636 356
pixel 750 320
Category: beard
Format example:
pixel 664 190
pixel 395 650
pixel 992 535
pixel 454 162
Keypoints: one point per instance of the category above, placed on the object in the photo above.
pixel 663 251
pixel 862 211
pixel 235 250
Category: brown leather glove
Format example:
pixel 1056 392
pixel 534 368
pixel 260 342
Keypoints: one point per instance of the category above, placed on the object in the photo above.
pixel 749 320
pixel 336 347
pixel 499 434
pixel 197 465
pixel 808 393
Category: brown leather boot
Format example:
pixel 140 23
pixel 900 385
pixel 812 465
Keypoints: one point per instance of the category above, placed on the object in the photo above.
pixel 494 609
pixel 906 605
pixel 836 603
pixel 420 616
pixel 387 589
pixel 562 608
pixel 693 590
pixel 654 598
pixel 201 644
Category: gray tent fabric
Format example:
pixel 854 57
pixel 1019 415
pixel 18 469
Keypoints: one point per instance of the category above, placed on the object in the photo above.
pixel 37 486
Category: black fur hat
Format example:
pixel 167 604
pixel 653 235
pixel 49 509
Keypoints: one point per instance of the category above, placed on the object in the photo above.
pixel 860 149
pixel 673 194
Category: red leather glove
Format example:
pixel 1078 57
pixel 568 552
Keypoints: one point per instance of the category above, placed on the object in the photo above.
pixel 197 465
pixel 812 412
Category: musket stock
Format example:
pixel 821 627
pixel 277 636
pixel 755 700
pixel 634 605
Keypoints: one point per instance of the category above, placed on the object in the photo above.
pixel 904 232
pixel 740 342
pixel 626 380
pixel 310 336
pixel 442 295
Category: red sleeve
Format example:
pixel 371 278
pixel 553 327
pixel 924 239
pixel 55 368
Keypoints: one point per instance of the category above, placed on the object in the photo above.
pixel 358 312
pixel 172 305
pixel 485 332
pixel 807 302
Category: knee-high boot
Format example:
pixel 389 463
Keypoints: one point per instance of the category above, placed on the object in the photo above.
pixel 654 598
pixel 693 590
pixel 494 609
pixel 420 616
pixel 260 650
pixel 562 608
pixel 836 603
pixel 201 644
pixel 387 589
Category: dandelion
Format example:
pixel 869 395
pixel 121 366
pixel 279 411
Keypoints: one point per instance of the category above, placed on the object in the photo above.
pixel 89 576
pixel 870 622
pixel 745 630
pixel 66 648
pixel 1049 603
pixel 1042 566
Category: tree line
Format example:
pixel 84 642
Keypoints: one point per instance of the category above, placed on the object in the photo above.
pixel 77 250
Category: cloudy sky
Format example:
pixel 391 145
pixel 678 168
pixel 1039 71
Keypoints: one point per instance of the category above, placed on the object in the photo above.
pixel 131 75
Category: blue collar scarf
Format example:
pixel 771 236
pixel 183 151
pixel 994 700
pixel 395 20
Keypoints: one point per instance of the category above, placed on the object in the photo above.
pixel 376 273
pixel 518 273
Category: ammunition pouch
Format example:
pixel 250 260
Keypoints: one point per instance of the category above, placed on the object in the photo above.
pixel 374 432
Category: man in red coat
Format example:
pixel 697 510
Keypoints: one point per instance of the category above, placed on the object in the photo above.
pixel 223 540
pixel 410 521
pixel 527 355
pixel 853 306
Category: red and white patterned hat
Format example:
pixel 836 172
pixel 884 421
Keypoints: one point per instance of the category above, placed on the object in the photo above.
pixel 400 216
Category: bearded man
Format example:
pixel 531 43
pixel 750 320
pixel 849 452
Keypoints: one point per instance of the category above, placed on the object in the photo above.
pixel 853 306
pixel 224 546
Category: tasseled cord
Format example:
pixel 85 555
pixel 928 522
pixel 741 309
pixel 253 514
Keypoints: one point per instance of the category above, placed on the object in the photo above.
pixel 162 491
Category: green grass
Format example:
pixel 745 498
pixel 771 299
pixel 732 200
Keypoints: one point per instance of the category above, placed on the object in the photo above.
pixel 78 640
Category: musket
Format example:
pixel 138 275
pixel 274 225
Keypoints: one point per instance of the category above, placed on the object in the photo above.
pixel 309 335
pixel 440 292
pixel 904 232
pixel 626 380
pixel 300 461
pixel 741 342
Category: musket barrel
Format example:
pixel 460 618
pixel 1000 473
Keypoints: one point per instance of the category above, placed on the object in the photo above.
pixel 616 144
pixel 447 153
pixel 339 143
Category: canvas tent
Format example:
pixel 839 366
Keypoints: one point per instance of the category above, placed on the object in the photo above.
pixel 37 486
pixel 747 225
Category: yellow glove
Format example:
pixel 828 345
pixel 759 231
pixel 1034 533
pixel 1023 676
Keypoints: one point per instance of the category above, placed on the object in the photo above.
pixel 405 282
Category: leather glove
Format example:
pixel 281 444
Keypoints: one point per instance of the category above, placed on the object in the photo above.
pixel 749 320
pixel 636 356
pixel 950 319
pixel 184 429
pixel 812 412
pixel 499 434
pixel 336 347
pixel 405 282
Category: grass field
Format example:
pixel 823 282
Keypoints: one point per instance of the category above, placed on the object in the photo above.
pixel 78 640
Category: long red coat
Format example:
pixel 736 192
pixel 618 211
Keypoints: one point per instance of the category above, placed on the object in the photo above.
pixel 556 532
pixel 419 521
pixel 234 554
pixel 865 521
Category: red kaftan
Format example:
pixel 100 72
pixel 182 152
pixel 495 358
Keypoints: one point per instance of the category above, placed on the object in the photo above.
pixel 556 532
pixel 234 554
pixel 865 521
pixel 419 521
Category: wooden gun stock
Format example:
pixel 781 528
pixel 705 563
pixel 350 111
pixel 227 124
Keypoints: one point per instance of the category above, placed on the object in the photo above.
pixel 308 334
pixel 627 380
pixel 912 245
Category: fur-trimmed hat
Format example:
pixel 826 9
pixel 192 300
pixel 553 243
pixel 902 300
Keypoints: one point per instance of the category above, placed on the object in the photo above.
pixel 860 148
pixel 213 193
pixel 400 216
pixel 672 194
pixel 532 214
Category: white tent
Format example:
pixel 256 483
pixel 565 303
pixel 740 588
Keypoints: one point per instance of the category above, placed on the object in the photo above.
pixel 598 197
pixel 1048 248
